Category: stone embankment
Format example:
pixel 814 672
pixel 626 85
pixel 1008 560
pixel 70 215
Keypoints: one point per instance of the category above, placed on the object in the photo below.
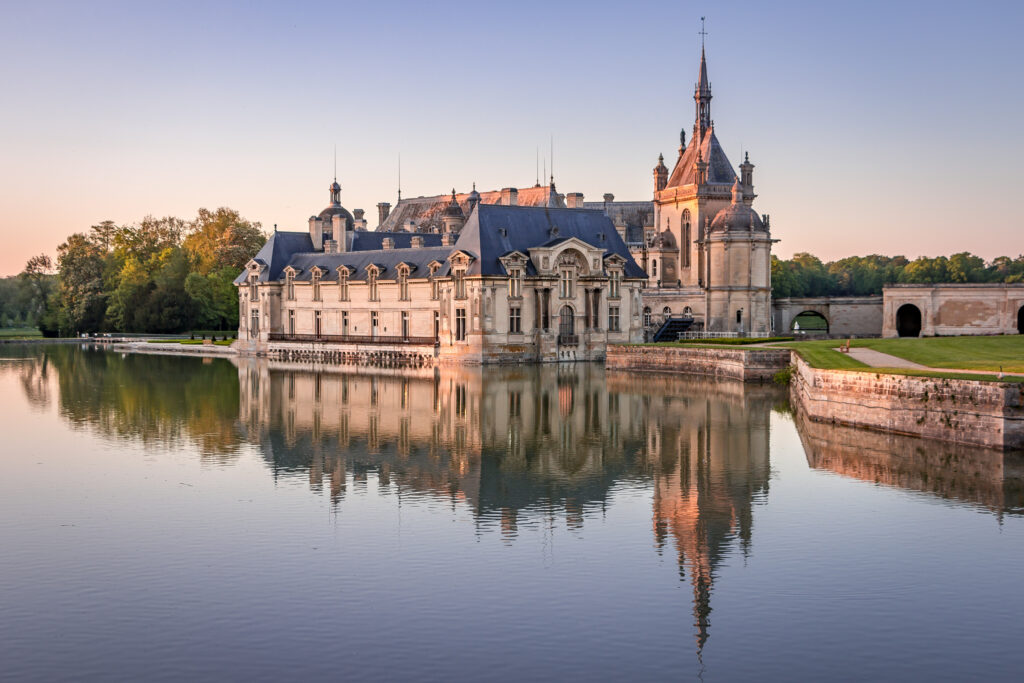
pixel 746 364
pixel 989 414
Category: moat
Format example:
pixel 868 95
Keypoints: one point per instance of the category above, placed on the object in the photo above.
pixel 169 518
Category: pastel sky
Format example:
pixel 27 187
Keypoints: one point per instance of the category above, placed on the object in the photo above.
pixel 875 127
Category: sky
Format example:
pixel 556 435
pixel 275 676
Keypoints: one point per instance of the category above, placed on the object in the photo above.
pixel 875 127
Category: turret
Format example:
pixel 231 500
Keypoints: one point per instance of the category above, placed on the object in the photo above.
pixel 701 168
pixel 453 218
pixel 747 179
pixel 660 174
pixel 702 99
pixel 473 199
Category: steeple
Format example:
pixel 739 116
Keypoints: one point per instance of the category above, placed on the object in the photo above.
pixel 335 193
pixel 702 97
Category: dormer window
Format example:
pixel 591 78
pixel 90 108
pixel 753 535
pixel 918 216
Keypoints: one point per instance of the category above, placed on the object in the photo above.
pixel 371 283
pixel 614 283
pixel 434 293
pixel 403 284
pixel 343 284
pixel 460 283
pixel 254 294
pixel 316 284
pixel 515 283
pixel 289 285
pixel 566 283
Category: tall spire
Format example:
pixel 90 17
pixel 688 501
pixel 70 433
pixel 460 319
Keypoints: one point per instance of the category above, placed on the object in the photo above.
pixel 702 92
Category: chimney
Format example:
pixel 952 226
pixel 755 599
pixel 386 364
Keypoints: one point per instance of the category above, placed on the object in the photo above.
pixel 383 210
pixel 574 200
pixel 510 196
pixel 387 243
pixel 448 239
pixel 608 199
pixel 417 242
pixel 359 222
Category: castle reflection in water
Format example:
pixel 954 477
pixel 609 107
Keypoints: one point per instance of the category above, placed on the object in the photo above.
pixel 520 445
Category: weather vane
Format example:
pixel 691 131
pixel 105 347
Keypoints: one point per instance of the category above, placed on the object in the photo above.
pixel 702 33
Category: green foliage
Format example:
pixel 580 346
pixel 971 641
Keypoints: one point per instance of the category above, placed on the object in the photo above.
pixel 805 275
pixel 784 376
pixel 162 275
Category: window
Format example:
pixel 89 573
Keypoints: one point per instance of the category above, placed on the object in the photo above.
pixel 403 285
pixel 460 324
pixel 371 281
pixel 666 312
pixel 253 287
pixel 647 316
pixel 316 285
pixel 373 323
pixel 515 283
pixel 437 325
pixel 343 284
pixel 317 328
pixel 291 322
pixel 613 318
pixel 614 281
pixel 687 311
pixel 344 322
pixel 254 323
pixel 739 317
pixel 515 320
pixel 434 294
pixel 685 246
pixel 460 284
pixel 654 267
pixel 566 285
pixel 289 280
pixel 405 324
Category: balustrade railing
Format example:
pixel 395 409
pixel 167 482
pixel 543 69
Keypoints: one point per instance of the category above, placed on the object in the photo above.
pixel 568 340
pixel 350 339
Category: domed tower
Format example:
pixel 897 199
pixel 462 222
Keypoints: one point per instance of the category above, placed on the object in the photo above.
pixel 737 260
pixel 660 174
pixel 453 219
pixel 331 231
pixel 473 199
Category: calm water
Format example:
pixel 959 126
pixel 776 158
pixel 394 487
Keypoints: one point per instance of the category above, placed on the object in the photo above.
pixel 169 518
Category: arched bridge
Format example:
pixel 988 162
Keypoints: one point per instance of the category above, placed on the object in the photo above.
pixel 833 316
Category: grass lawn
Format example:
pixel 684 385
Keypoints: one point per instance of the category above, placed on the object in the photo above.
pixel 19 333
pixel 960 353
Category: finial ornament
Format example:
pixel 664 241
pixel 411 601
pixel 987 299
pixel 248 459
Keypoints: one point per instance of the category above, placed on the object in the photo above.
pixel 702 33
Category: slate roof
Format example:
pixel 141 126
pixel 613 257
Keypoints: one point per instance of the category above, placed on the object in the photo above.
pixel 276 253
pixel 357 261
pixel 719 168
pixel 427 211
pixel 365 239
pixel 493 231
pixel 636 216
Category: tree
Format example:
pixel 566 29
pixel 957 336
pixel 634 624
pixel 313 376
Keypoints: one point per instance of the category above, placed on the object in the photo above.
pixel 222 239
pixel 80 263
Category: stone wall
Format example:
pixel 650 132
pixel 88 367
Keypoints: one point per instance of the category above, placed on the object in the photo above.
pixel 749 365
pixel 957 309
pixel 847 316
pixel 989 414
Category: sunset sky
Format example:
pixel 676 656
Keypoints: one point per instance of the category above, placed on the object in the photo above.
pixel 875 127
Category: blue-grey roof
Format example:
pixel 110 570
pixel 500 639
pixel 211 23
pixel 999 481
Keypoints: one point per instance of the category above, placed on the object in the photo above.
pixel 495 230
pixel 387 260
pixel 366 240
pixel 277 251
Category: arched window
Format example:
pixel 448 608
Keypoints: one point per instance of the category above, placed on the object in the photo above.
pixel 654 267
pixel 647 316
pixel 685 246
pixel 566 321
pixel 687 311
pixel 666 311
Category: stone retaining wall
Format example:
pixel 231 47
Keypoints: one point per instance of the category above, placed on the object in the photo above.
pixel 758 364
pixel 379 355
pixel 989 414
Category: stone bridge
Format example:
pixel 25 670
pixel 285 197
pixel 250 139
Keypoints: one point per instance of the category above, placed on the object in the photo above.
pixel 842 316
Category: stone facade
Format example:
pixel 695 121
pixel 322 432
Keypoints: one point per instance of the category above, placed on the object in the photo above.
pixel 846 316
pixel 989 414
pixel 508 283
pixel 953 309
pixel 745 365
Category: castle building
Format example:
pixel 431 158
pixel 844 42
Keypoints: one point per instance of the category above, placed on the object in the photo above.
pixel 488 283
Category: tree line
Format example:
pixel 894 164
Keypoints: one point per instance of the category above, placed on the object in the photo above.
pixel 158 275
pixel 806 275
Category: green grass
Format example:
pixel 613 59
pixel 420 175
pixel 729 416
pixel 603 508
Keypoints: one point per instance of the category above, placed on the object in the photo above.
pixel 956 353
pixel 20 333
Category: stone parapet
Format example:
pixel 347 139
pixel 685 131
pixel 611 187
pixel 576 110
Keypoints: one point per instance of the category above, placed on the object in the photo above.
pixel 749 365
pixel 383 355
pixel 989 414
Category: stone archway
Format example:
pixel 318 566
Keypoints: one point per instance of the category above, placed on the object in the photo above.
pixel 908 321
pixel 810 322
pixel 1020 320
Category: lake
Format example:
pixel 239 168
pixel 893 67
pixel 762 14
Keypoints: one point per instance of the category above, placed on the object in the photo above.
pixel 187 518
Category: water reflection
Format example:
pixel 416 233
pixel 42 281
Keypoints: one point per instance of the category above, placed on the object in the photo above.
pixel 530 443
pixel 977 476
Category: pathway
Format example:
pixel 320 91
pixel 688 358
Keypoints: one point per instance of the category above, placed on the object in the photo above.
pixel 877 359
